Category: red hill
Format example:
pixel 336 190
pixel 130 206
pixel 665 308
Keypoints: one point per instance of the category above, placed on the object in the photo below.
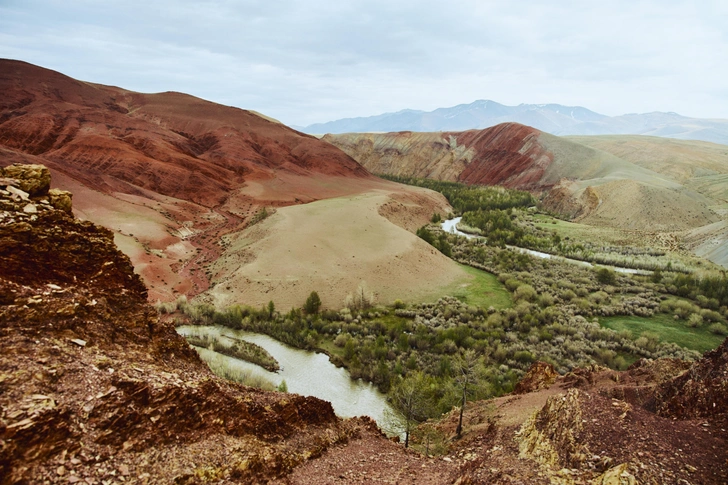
pixel 169 143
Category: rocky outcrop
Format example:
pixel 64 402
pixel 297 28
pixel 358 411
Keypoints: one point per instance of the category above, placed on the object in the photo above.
pixel 33 179
pixel 702 391
pixel 550 436
pixel 539 376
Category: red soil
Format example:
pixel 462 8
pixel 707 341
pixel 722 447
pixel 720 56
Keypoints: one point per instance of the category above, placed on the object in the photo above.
pixel 193 162
pixel 508 154
pixel 170 143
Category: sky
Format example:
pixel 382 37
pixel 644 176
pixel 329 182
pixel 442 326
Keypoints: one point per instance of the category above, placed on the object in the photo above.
pixel 304 62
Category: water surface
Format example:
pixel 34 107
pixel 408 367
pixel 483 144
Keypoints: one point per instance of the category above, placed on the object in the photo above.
pixel 306 373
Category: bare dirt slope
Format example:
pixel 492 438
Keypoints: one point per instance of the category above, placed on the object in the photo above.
pixel 171 174
pixel 331 246
pixel 681 160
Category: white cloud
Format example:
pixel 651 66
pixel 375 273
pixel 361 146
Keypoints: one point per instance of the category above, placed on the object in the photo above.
pixel 304 62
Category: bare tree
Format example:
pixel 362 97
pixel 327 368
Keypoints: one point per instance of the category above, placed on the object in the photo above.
pixel 467 366
pixel 361 299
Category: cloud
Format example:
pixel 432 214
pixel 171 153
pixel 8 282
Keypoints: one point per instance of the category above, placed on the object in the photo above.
pixel 305 62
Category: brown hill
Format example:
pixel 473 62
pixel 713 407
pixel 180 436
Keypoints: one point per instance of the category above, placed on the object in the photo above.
pixel 577 179
pixel 172 174
pixel 508 154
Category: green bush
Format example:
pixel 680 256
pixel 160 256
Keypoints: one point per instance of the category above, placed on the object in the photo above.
pixel 525 292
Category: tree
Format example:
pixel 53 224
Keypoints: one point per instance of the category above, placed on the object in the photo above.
pixel 361 299
pixel 313 304
pixel 271 309
pixel 466 367
pixel 412 397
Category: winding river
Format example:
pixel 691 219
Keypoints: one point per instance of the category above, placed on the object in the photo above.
pixel 451 226
pixel 306 373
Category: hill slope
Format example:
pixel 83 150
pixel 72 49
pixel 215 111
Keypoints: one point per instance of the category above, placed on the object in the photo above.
pixel 551 118
pixel 171 174
pixel 595 185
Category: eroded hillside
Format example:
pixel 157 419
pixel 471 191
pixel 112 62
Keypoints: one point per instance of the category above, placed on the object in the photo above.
pixel 172 175
pixel 630 183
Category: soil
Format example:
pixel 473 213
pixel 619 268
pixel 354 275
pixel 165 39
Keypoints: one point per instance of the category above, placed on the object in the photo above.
pixel 332 246
pixel 172 175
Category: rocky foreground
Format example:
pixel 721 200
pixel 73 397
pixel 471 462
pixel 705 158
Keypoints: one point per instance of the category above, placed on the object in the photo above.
pixel 95 389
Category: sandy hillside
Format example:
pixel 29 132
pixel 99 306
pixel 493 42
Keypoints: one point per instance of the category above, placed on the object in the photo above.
pixel 331 246
pixel 680 160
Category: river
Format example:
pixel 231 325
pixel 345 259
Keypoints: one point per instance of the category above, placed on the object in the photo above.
pixel 306 373
pixel 451 226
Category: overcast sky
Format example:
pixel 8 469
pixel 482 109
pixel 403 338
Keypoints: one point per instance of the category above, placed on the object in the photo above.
pixel 316 60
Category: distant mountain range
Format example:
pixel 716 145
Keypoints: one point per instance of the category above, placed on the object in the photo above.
pixel 551 118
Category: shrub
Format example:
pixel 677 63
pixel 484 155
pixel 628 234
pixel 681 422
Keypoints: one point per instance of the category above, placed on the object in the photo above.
pixel 718 329
pixel 599 297
pixel 525 292
pixel 695 320
pixel 606 276
pixel 512 284
pixel 711 316
pixel 546 300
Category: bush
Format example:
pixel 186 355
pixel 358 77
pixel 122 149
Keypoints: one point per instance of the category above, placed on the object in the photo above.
pixel 546 300
pixel 512 284
pixel 695 320
pixel 718 329
pixel 711 316
pixel 525 292
pixel 606 276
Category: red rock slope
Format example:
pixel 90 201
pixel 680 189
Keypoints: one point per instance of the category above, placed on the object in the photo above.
pixel 168 173
pixel 170 143
pixel 508 154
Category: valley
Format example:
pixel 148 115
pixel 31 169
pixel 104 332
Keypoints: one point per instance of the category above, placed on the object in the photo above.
pixel 505 304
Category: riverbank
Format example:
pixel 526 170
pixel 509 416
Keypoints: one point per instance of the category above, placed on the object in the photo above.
pixel 306 373
pixel 452 226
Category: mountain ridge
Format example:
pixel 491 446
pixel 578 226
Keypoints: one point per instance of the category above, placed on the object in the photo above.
pixel 552 118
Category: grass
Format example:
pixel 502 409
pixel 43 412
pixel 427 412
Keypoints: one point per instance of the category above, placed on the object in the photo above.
pixel 220 367
pixel 483 290
pixel 669 330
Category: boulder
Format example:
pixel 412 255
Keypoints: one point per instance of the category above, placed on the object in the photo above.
pixel 61 200
pixel 33 179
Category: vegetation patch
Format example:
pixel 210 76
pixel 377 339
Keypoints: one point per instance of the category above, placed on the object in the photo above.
pixel 483 291
pixel 236 348
pixel 668 329
pixel 219 367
